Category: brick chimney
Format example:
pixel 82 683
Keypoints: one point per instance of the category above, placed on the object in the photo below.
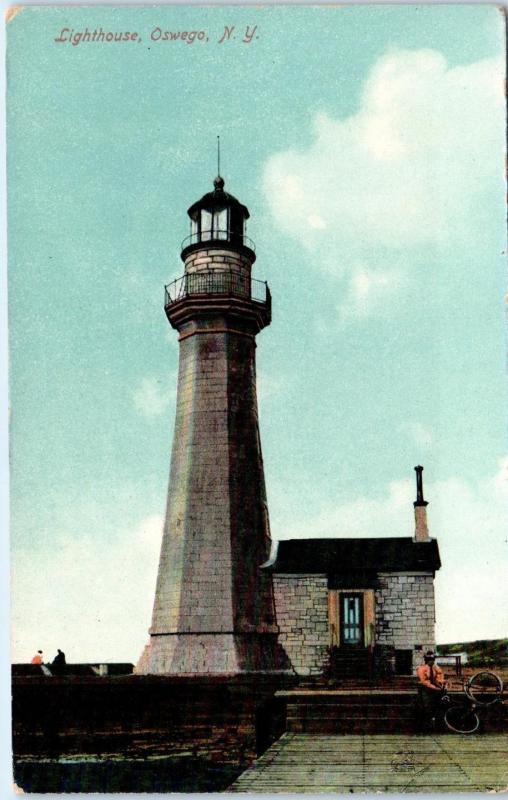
pixel 420 506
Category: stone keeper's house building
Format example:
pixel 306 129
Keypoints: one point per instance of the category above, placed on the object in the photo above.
pixel 370 599
pixel 373 599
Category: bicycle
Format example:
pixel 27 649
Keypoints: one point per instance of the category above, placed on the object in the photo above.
pixel 482 689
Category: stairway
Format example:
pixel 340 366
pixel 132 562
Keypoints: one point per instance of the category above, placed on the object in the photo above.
pixel 350 711
pixel 350 662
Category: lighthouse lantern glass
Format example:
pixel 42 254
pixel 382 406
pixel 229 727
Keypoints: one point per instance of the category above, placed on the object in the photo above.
pixel 217 217
pixel 214 224
pixel 206 225
pixel 220 223
pixel 236 223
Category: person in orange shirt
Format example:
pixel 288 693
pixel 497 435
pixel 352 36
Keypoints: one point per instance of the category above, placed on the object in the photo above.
pixel 431 685
pixel 37 659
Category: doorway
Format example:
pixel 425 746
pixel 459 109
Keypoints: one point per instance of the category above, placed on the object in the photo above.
pixel 351 619
pixel 403 662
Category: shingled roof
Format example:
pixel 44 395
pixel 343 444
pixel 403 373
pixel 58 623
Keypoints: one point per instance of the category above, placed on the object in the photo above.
pixel 326 556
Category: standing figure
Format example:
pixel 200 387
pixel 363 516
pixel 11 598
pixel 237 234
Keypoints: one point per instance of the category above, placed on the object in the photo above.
pixel 37 659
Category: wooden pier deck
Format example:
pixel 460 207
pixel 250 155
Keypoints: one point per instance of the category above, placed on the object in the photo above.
pixel 313 763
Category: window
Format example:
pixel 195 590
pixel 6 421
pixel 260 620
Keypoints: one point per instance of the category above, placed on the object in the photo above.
pixel 206 225
pixel 220 223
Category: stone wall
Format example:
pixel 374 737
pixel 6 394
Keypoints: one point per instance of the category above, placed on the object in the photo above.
pixel 405 613
pixel 214 609
pixel 226 720
pixel 213 258
pixel 404 616
pixel 301 603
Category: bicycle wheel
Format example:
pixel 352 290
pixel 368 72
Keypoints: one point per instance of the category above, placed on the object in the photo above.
pixel 484 688
pixel 461 719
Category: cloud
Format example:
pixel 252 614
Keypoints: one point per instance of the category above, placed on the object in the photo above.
pixel 362 517
pixel 470 523
pixel 150 399
pixel 420 434
pixel 366 292
pixel 500 480
pixel 91 596
pixel 406 171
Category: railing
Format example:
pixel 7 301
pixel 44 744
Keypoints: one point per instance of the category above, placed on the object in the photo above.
pixel 218 236
pixel 214 282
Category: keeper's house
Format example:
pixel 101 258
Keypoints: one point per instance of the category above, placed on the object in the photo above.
pixel 370 600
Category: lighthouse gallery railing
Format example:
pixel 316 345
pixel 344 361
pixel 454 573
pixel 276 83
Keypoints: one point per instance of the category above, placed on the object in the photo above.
pixel 215 282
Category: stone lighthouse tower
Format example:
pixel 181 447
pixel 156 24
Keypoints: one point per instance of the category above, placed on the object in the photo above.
pixel 214 608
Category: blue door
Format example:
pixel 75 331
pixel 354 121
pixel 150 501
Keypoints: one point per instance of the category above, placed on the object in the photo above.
pixel 352 619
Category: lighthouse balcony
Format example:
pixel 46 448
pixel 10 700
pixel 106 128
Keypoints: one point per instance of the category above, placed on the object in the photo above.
pixel 226 283
pixel 228 290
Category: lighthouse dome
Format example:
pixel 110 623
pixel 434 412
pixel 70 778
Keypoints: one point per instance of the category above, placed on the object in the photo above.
pixel 217 218
pixel 217 199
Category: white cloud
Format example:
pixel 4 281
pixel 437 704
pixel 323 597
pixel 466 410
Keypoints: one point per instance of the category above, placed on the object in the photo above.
pixel 91 597
pixel 151 399
pixel 470 523
pixel 420 434
pixel 500 480
pixel 472 603
pixel 315 221
pixel 405 171
pixel 362 517
pixel 366 292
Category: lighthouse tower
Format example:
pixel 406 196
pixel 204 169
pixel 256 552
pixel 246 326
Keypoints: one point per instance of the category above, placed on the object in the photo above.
pixel 214 608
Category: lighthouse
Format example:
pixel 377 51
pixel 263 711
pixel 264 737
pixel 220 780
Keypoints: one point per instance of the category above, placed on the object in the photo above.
pixel 214 608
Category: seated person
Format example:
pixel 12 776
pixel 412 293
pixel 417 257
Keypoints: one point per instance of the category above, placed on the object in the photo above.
pixel 431 685
pixel 58 663
pixel 59 659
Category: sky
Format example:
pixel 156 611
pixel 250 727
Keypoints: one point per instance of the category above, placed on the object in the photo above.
pixel 368 145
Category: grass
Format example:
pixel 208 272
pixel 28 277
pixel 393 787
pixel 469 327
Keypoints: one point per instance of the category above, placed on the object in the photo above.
pixel 481 653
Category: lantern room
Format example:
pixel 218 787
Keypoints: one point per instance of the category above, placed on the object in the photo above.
pixel 218 220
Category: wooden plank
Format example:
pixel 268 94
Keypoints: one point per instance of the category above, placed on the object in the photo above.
pixel 352 764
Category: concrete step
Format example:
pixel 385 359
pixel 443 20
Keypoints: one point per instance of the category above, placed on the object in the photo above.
pixel 355 711
pixel 341 697
pixel 342 711
pixel 393 683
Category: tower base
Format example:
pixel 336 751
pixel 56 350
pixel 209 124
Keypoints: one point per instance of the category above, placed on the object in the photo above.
pixel 213 654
